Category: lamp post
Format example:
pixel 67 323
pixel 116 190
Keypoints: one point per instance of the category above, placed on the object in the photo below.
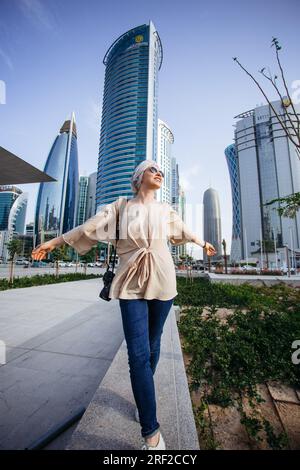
pixel 292 247
pixel 287 259
pixel 261 252
pixel 275 248
pixel 246 247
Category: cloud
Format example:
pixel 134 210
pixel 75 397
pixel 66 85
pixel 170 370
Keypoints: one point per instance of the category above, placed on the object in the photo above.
pixel 36 12
pixel 187 177
pixel 93 118
pixel 6 59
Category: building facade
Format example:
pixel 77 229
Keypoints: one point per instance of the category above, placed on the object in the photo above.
pixel 91 196
pixel 82 200
pixel 13 206
pixel 236 238
pixel 56 206
pixel 129 111
pixel 269 168
pixel 164 157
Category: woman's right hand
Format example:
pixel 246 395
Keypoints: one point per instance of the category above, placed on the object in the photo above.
pixel 210 249
pixel 41 250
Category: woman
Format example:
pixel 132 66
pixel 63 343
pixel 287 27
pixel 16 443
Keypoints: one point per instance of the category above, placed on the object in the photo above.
pixel 145 279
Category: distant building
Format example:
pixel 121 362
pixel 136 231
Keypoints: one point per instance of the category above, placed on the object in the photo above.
pixel 212 223
pixel 82 200
pixel 91 196
pixel 13 206
pixel 57 201
pixel 164 155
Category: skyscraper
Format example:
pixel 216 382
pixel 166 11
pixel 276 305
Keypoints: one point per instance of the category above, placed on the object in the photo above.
pixel 233 168
pixel 91 195
pixel 57 201
pixel 13 205
pixel 164 155
pixel 82 200
pixel 212 222
pixel 129 113
pixel 269 168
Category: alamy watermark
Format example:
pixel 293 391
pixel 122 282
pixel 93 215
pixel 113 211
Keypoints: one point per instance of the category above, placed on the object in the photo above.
pixel 2 92
pixel 2 352
pixel 296 354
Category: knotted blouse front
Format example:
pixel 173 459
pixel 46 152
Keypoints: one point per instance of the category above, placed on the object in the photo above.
pixel 146 269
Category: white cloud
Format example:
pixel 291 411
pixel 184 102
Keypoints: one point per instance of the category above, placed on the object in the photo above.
pixel 94 115
pixel 188 178
pixel 6 59
pixel 36 12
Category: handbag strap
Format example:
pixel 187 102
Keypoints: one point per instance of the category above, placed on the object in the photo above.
pixel 117 238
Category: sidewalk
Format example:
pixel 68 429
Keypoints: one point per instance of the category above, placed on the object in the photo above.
pixel 61 339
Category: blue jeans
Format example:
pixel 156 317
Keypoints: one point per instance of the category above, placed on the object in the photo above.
pixel 143 322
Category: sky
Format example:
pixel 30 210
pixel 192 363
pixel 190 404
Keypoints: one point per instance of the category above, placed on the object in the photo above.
pixel 51 63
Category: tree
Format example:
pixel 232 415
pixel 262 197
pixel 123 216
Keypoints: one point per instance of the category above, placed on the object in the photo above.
pixel 58 254
pixel 268 246
pixel 14 248
pixel 290 125
pixel 88 257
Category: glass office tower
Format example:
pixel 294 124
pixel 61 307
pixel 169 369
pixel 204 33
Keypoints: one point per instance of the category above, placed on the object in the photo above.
pixel 269 168
pixel 13 205
pixel 82 200
pixel 57 201
pixel 129 113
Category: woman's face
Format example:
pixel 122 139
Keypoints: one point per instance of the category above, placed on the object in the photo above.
pixel 152 180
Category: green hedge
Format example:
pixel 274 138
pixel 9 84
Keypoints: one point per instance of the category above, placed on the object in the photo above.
pixel 39 280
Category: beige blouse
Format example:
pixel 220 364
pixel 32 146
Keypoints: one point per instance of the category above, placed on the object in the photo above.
pixel 146 269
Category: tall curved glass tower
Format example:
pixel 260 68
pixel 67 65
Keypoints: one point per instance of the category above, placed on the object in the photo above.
pixel 56 206
pixel 129 113
pixel 233 168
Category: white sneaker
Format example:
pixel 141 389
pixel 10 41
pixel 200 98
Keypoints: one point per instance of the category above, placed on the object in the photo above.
pixel 161 445
pixel 136 414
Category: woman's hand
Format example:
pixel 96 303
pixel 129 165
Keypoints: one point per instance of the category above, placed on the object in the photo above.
pixel 41 250
pixel 210 250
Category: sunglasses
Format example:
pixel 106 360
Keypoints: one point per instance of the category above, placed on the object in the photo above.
pixel 155 170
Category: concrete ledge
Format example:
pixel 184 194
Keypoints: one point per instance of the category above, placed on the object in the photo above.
pixel 109 422
pixel 292 281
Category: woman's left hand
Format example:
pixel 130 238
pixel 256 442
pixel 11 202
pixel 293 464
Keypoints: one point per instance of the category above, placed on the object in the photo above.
pixel 210 250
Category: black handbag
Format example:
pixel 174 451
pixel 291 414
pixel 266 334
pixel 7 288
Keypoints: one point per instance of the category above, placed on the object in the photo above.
pixel 109 275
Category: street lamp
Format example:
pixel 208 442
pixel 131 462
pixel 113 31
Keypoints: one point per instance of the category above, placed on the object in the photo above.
pixel 287 259
pixel 275 248
pixel 292 247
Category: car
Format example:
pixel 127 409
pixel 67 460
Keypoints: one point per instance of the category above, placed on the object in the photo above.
pixel 21 261
pixel 248 268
